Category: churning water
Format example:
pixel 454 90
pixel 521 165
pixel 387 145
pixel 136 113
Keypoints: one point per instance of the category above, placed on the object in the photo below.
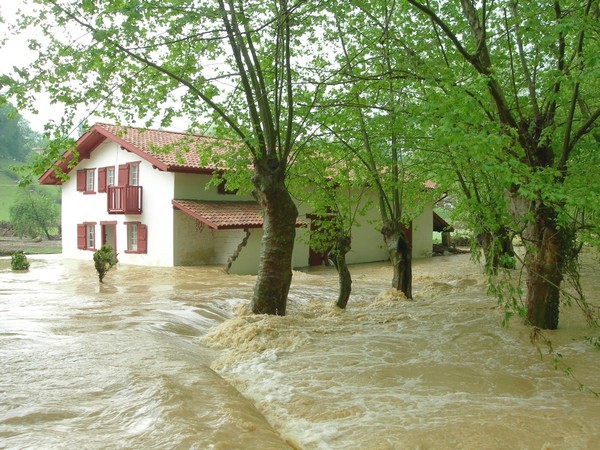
pixel 170 358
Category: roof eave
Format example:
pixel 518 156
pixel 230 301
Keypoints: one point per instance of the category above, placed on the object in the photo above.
pixel 197 170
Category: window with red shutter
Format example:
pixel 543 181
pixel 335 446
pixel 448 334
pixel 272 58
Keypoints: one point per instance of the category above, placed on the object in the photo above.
pixel 90 232
pixel 137 237
pixel 90 175
pixel 110 176
pixel 86 236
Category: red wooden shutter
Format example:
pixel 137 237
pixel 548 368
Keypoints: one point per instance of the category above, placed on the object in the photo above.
pixel 102 179
pixel 123 175
pixel 81 179
pixel 142 236
pixel 81 236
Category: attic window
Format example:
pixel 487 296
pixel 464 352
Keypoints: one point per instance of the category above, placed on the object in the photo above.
pixel 85 181
pixel 86 236
pixel 134 174
pixel 89 180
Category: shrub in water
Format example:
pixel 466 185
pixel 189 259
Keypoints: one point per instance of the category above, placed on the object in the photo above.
pixel 19 261
pixel 104 260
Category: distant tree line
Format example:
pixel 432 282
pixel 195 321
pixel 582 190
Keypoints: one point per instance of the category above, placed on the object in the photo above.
pixel 36 210
pixel 16 137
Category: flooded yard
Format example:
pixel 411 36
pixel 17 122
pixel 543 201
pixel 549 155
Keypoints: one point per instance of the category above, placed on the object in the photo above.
pixel 170 358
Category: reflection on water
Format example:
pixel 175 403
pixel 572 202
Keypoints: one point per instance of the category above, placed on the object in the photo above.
pixel 170 358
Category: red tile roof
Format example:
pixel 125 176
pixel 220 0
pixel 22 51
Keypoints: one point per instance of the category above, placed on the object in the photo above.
pixel 223 215
pixel 174 150
pixel 166 150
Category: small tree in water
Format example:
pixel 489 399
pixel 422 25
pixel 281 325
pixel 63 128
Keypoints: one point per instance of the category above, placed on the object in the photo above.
pixel 18 261
pixel 104 260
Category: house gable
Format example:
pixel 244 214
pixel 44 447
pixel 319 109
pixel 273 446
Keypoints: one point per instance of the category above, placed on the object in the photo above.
pixel 165 150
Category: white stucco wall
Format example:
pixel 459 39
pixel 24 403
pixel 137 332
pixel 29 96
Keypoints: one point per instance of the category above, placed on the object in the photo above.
pixel 193 241
pixel 78 207
pixel 422 233
pixel 192 186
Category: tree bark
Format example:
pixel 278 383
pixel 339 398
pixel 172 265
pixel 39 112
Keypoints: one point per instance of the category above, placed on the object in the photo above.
pixel 399 251
pixel 279 230
pixel 341 249
pixel 544 269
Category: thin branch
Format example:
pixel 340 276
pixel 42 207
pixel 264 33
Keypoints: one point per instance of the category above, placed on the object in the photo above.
pixel 568 142
pixel 524 67
pixel 429 12
pixel 240 54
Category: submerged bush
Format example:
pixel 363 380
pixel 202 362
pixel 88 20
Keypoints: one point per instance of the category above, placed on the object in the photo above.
pixel 18 261
pixel 104 260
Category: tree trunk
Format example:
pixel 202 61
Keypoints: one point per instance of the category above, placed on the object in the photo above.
pixel 342 247
pixel 497 250
pixel 279 230
pixel 544 269
pixel 399 251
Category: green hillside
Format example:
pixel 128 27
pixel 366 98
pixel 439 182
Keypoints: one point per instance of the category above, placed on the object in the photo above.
pixel 8 187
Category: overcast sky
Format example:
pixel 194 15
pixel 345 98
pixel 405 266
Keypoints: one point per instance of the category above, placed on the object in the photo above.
pixel 16 53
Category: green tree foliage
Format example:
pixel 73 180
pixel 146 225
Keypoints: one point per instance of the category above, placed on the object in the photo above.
pixel 104 260
pixel 464 154
pixel 333 184
pixel 18 261
pixel 36 212
pixel 532 73
pixel 365 111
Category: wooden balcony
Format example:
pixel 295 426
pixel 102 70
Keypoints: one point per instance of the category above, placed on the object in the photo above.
pixel 124 199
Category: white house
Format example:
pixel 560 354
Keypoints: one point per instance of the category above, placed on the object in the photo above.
pixel 155 208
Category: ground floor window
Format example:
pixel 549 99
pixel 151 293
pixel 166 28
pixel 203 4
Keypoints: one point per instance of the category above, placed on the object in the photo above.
pixel 137 237
pixel 86 236
pixel 132 233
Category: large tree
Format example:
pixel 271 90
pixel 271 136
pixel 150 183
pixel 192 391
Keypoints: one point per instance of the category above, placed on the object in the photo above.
pixel 533 68
pixel 236 62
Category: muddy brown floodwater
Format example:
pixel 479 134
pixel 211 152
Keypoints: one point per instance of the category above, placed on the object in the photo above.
pixel 170 358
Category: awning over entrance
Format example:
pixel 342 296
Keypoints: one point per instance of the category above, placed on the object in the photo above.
pixel 222 215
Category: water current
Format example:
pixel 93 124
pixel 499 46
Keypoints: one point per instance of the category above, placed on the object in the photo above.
pixel 169 358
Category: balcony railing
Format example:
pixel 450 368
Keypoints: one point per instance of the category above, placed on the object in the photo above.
pixel 124 199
